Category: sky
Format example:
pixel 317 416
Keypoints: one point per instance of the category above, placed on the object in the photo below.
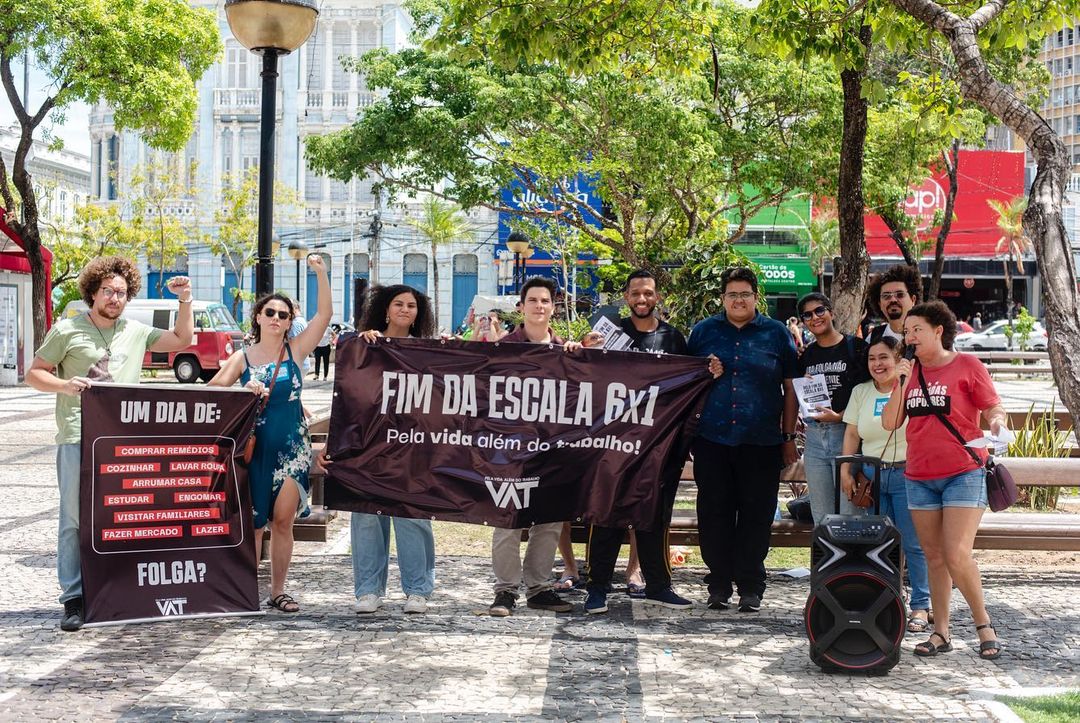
pixel 74 130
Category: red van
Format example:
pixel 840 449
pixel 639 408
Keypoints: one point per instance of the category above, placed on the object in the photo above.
pixel 217 335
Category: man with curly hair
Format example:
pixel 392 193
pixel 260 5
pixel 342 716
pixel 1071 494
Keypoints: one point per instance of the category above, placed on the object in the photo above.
pixel 894 291
pixel 97 346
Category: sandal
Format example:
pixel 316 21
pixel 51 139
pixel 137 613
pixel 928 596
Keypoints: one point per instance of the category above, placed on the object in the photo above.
pixel 567 582
pixel 916 623
pixel 927 648
pixel 989 649
pixel 284 603
pixel 635 590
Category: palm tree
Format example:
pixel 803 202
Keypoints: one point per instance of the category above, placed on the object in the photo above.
pixel 1013 243
pixel 823 232
pixel 441 223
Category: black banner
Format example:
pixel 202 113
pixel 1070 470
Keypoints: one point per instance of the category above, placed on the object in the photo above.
pixel 165 518
pixel 508 434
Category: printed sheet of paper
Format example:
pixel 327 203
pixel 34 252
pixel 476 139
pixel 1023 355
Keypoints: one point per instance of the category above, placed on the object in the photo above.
pixel 812 393
pixel 614 337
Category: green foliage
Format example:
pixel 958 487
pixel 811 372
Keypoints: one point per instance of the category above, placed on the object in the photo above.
pixel 695 293
pixel 670 155
pixel 1064 708
pixel 1040 437
pixel 572 329
pixel 97 231
pixel 236 240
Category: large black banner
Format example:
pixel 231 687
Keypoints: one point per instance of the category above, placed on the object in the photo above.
pixel 508 434
pixel 165 516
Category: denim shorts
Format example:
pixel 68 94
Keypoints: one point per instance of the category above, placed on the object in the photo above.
pixel 967 489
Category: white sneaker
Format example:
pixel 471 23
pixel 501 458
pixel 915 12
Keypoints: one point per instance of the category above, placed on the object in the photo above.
pixel 415 605
pixel 368 603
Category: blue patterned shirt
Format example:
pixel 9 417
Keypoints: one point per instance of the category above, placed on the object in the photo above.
pixel 746 403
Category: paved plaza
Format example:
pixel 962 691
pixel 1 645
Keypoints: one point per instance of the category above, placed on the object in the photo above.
pixel 635 663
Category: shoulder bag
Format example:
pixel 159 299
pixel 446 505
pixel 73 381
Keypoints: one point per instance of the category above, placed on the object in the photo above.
pixel 1001 491
pixel 249 446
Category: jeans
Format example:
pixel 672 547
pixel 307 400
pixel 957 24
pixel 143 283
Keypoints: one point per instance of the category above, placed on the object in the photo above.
pixel 894 504
pixel 68 476
pixel 736 503
pixel 824 443
pixel 967 489
pixel 539 558
pixel 371 554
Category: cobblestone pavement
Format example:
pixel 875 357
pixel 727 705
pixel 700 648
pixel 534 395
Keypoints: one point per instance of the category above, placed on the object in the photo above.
pixel 634 663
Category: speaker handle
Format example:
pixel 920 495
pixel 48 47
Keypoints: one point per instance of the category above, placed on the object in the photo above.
pixel 875 485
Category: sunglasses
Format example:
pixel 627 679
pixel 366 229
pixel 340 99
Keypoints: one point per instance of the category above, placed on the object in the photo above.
pixel 818 312
pixel 271 313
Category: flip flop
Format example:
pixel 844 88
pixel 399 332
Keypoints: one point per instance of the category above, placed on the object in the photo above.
pixel 635 590
pixel 567 582
pixel 917 623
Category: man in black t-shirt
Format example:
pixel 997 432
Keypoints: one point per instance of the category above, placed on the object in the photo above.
pixel 652 335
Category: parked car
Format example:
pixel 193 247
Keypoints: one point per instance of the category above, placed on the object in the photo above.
pixel 992 338
pixel 217 335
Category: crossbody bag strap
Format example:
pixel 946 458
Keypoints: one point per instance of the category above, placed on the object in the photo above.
pixel 946 422
pixel 273 379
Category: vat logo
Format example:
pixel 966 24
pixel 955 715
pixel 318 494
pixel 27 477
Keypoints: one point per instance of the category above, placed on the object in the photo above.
pixel 925 200
pixel 171 605
pixel 506 493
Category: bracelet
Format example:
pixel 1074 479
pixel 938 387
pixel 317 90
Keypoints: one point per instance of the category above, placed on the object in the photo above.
pixel 185 302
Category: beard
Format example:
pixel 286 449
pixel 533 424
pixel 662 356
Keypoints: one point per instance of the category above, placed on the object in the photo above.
pixel 646 315
pixel 107 313
pixel 894 312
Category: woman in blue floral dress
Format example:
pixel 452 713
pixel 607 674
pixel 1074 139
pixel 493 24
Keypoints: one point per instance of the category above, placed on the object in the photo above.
pixel 278 474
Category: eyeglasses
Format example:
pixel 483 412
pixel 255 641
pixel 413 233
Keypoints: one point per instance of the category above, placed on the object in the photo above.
pixel 271 313
pixel 890 295
pixel 739 295
pixel 818 312
pixel 113 293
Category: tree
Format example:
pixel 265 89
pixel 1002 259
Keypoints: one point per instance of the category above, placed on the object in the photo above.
pixel 823 231
pixel 142 57
pixel 155 188
pixel 97 231
pixel 999 24
pixel 668 157
pixel 1013 244
pixel 441 224
pixel 238 223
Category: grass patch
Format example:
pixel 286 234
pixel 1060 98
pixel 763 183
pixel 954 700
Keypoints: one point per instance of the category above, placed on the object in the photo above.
pixel 1063 708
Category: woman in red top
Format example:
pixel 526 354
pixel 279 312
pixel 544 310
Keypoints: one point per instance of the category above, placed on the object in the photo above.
pixel 946 488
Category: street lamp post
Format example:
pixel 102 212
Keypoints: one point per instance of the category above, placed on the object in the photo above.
pixel 518 243
pixel 269 28
pixel 299 251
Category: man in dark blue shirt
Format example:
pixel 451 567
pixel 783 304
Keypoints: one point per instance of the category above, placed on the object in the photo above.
pixel 745 438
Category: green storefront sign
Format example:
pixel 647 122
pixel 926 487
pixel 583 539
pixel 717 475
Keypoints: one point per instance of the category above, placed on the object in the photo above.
pixel 786 275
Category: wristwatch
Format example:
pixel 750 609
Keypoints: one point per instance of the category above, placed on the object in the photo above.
pixel 789 436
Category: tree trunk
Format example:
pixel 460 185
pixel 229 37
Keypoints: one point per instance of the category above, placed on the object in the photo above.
pixel 1042 220
pixel 435 282
pixel 952 164
pixel 1008 289
pixel 897 234
pixel 849 271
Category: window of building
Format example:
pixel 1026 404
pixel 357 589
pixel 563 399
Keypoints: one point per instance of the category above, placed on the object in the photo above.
pixel 313 186
pixel 1068 36
pixel 237 58
pixel 414 271
pixel 339 190
pixel 113 166
pixel 342 47
pixel 316 51
pixel 1069 65
pixel 226 152
pixel 1058 67
pixel 249 148
pixel 1056 97
pixel 95 169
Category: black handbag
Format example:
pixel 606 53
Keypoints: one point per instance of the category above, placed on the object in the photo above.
pixel 1001 492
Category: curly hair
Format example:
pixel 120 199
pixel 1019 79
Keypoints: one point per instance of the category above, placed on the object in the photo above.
pixel 263 301
pixel 910 277
pixel 937 314
pixel 106 267
pixel 378 306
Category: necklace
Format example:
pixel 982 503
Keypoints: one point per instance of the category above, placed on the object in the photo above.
pixel 107 343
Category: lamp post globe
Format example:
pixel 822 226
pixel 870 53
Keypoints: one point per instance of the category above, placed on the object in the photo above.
pixel 299 251
pixel 519 244
pixel 269 28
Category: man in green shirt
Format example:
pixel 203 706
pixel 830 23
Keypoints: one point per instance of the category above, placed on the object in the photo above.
pixel 101 346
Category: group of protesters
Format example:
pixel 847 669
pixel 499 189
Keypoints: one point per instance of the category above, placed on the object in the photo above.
pixel 887 405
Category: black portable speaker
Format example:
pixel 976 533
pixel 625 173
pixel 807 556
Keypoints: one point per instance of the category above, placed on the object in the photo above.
pixel 854 615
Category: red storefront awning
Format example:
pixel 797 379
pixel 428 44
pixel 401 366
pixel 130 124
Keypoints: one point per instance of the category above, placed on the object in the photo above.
pixel 13 258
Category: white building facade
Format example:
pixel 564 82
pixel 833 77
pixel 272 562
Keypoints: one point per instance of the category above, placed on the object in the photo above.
pixel 315 96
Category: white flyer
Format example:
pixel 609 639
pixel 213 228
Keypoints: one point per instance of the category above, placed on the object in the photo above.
pixel 812 392
pixel 614 337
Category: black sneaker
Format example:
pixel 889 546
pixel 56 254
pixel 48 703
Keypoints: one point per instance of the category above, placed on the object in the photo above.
pixel 504 604
pixel 668 598
pixel 73 615
pixel 547 600
pixel 719 602
pixel 749 603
